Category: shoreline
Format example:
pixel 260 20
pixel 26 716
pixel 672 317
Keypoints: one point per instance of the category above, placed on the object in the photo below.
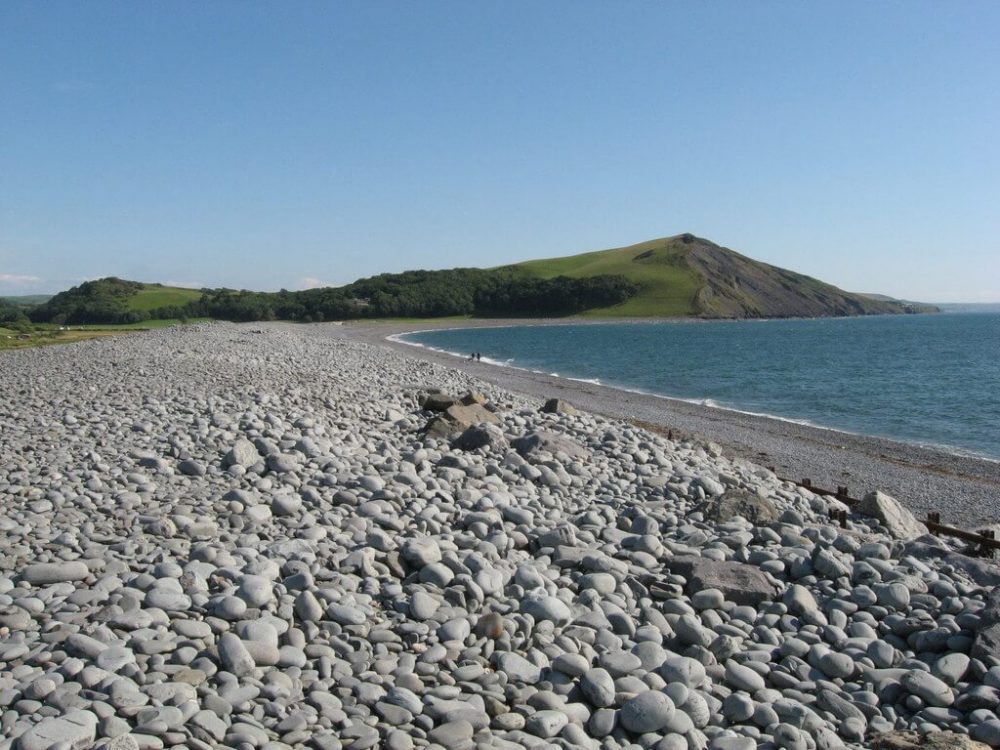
pixel 964 489
pixel 398 338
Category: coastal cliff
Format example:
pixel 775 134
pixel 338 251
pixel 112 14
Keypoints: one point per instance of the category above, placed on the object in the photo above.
pixel 688 276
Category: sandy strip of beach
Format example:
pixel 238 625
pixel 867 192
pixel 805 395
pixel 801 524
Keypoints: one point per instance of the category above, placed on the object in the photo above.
pixel 965 490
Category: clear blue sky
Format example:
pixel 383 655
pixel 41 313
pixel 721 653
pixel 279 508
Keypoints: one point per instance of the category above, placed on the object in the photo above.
pixel 269 145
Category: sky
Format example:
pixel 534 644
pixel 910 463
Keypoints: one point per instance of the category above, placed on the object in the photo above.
pixel 288 145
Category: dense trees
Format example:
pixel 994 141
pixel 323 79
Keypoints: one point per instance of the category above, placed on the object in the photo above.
pixel 413 294
pixel 558 296
pixel 13 316
pixel 423 294
pixel 101 301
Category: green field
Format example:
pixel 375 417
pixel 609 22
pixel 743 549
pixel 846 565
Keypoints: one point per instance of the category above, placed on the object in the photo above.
pixel 27 299
pixel 667 284
pixel 51 337
pixel 48 335
pixel 153 296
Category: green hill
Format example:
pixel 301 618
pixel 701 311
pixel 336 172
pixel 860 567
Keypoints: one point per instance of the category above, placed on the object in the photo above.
pixel 682 276
pixel 668 286
pixel 687 276
pixel 114 300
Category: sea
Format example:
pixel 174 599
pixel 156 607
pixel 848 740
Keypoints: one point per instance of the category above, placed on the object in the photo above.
pixel 932 380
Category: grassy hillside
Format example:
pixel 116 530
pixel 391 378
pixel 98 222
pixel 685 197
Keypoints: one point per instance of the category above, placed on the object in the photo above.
pixel 668 285
pixel 687 276
pixel 154 296
pixel 115 301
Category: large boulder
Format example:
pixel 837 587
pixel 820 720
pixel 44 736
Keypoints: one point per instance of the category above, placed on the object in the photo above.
pixel 910 740
pixel 76 729
pixel 458 418
pixel 550 442
pixel 984 572
pixel 739 583
pixel 437 402
pixel 756 509
pixel 487 436
pixel 242 453
pixel 889 512
pixel 558 406
pixel 987 642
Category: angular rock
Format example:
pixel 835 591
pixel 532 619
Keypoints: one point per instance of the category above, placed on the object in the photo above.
pixel 558 406
pixel 551 442
pixel 437 402
pixel 910 740
pixel 243 453
pixel 889 512
pixel 737 502
pixel 76 729
pixel 487 436
pixel 739 583
pixel 458 418
pixel 928 547
pixel 987 640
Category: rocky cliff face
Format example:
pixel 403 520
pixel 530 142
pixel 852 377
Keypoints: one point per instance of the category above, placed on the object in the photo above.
pixel 731 285
pixel 739 287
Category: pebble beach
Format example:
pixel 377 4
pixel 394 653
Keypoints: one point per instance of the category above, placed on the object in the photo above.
pixel 278 536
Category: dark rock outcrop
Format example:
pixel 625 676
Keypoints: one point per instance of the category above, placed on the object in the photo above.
pixel 739 582
pixel 458 418
pixel 551 442
pixel 558 406
pixel 749 505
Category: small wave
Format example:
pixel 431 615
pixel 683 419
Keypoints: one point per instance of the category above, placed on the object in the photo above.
pixel 418 345
pixel 400 338
pixel 711 403
pixel 954 450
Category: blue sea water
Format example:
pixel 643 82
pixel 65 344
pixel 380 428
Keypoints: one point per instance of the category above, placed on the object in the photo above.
pixel 927 379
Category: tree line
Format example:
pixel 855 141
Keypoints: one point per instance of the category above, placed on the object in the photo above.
pixel 99 301
pixel 13 316
pixel 412 294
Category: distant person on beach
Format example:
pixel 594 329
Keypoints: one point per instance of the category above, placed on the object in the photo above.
pixel 479 357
